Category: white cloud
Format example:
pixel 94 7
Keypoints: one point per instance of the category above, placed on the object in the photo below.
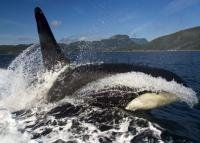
pixel 67 40
pixel 135 32
pixel 71 39
pixel 178 5
pixel 82 38
pixel 55 23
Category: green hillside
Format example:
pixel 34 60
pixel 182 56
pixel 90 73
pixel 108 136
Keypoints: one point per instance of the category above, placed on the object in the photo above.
pixel 188 39
pixel 13 49
pixel 114 43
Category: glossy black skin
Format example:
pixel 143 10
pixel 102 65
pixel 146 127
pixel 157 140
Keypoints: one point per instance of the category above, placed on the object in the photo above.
pixel 51 52
pixel 75 78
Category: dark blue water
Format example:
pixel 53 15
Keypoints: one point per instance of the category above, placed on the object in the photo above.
pixel 5 60
pixel 179 119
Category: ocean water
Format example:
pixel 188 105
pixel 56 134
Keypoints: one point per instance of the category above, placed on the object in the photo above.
pixel 25 116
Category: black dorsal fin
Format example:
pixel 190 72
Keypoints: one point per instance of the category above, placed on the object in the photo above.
pixel 51 51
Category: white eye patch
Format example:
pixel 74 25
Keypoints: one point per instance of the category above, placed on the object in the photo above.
pixel 151 100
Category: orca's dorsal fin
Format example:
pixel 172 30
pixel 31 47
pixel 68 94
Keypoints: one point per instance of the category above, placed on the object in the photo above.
pixel 51 51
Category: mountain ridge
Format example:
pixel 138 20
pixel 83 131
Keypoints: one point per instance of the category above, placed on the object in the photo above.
pixel 187 39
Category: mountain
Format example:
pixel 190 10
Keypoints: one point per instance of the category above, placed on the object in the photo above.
pixel 13 49
pixel 114 43
pixel 188 39
pixel 139 41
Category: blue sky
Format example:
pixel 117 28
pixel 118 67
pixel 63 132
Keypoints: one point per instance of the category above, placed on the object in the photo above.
pixel 96 19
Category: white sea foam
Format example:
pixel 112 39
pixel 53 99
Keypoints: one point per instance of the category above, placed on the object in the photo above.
pixel 9 130
pixel 14 95
pixel 142 82
pixel 25 83
pixel 94 134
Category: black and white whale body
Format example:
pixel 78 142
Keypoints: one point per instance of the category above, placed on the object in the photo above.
pixel 74 78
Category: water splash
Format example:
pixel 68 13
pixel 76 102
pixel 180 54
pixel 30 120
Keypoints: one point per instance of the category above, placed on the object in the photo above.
pixel 142 82
pixel 9 130
pixel 25 83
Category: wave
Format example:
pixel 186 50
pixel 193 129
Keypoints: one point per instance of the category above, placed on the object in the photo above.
pixel 9 129
pixel 142 82
pixel 25 83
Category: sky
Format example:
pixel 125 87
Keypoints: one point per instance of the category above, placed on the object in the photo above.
pixel 96 19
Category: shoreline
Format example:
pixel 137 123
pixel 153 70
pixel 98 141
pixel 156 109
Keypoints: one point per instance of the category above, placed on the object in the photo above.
pixel 135 51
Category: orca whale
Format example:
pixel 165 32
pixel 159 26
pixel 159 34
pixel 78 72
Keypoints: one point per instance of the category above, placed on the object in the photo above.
pixel 72 81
